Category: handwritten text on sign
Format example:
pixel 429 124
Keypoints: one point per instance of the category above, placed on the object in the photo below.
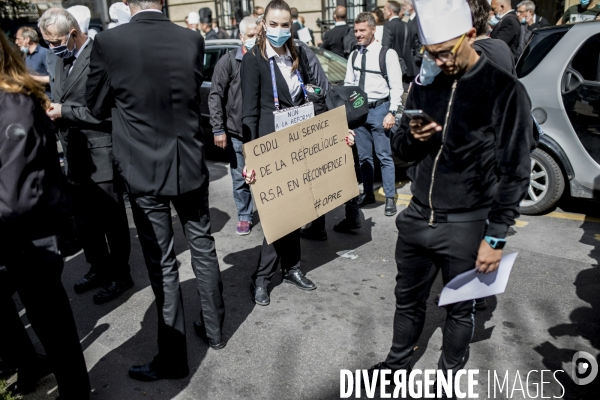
pixel 302 172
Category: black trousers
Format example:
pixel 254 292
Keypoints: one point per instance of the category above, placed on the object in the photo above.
pixel 105 230
pixel 422 251
pixel 35 268
pixel 16 349
pixel 287 250
pixel 152 216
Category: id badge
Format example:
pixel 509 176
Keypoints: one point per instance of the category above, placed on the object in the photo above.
pixel 291 116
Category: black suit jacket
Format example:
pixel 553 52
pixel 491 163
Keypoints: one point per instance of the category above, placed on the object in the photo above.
pixel 333 39
pixel 413 54
pixel 295 28
pixel 212 35
pixel 152 90
pixel 540 22
pixel 258 102
pixel 509 31
pixel 394 34
pixel 86 140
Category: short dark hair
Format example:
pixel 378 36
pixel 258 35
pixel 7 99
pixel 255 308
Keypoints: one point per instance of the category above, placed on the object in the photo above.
pixel 294 12
pixel 380 17
pixel 480 10
pixel 145 4
pixel 394 6
pixel 365 17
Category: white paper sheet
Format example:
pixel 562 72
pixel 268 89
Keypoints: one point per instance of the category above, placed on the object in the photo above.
pixel 304 35
pixel 471 285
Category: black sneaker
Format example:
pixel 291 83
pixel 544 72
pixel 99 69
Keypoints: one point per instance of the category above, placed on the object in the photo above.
pixel 112 290
pixel 347 225
pixel 390 207
pixel 364 199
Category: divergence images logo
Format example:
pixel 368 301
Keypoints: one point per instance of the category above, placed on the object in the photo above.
pixel 585 368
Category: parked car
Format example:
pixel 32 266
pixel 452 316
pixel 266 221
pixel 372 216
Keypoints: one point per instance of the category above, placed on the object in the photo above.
pixel 333 65
pixel 560 69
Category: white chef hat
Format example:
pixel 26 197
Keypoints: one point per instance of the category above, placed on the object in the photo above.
pixel 193 18
pixel 82 14
pixel 119 13
pixel 442 20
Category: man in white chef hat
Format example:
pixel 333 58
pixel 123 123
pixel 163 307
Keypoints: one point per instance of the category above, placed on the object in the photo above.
pixel 119 14
pixel 469 144
pixel 83 15
pixel 193 20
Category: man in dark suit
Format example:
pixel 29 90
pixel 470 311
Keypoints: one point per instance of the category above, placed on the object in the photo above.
pixel 395 31
pixel 413 53
pixel 333 39
pixel 296 25
pixel 87 145
pixel 159 153
pixel 509 28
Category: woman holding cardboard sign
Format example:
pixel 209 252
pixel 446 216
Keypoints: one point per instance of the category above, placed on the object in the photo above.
pixel 275 74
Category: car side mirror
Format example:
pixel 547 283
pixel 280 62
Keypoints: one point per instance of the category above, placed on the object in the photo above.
pixel 571 81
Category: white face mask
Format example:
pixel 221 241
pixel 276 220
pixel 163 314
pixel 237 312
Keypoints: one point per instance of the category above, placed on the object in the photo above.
pixel 248 44
pixel 25 49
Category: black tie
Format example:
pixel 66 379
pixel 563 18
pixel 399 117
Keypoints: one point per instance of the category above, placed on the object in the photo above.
pixel 363 68
pixel 68 63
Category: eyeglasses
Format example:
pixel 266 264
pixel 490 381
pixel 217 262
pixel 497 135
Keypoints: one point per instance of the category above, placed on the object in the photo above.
pixel 444 56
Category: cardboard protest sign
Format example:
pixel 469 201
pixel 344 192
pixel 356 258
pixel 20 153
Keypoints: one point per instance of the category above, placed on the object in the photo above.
pixel 302 172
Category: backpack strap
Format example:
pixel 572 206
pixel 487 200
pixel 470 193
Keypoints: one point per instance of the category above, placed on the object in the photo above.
pixel 354 55
pixel 382 64
pixel 234 65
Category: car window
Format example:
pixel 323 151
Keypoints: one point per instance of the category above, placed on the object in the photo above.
pixel 540 45
pixel 211 56
pixel 333 65
pixel 586 60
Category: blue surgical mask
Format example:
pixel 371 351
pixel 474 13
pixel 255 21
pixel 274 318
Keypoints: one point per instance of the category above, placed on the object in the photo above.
pixel 429 70
pixel 24 49
pixel 524 21
pixel 63 51
pixel 248 44
pixel 584 2
pixel 278 36
pixel 406 13
pixel 494 20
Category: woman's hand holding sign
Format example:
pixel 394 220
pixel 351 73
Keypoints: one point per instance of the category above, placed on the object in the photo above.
pixel 249 176
pixel 350 138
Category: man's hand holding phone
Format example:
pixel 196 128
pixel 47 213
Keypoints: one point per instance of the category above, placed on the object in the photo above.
pixel 422 126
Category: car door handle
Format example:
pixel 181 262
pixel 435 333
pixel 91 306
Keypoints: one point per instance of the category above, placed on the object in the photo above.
pixel 571 81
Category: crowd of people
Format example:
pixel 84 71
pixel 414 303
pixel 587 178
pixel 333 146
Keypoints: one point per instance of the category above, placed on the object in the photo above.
pixel 127 114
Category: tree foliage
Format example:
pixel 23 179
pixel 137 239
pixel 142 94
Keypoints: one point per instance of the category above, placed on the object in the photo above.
pixel 13 9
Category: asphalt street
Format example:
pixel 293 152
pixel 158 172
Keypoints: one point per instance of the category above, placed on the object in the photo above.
pixel 296 347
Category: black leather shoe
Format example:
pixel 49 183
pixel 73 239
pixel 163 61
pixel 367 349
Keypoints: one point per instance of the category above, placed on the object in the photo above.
pixel 382 366
pixel 89 281
pixel 365 198
pixel 201 333
pixel 112 290
pixel 296 277
pixel 312 233
pixel 6 370
pixel 347 225
pixel 260 295
pixel 390 207
pixel 155 370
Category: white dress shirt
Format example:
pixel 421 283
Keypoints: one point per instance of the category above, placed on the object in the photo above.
pixel 284 63
pixel 376 86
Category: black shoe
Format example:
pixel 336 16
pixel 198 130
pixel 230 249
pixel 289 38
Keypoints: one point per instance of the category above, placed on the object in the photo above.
pixel 312 233
pixel 6 370
pixel 382 366
pixel 112 290
pixel 347 225
pixel 30 375
pixel 296 277
pixel 89 281
pixel 260 295
pixel 390 207
pixel 155 370
pixel 480 304
pixel 364 199
pixel 201 333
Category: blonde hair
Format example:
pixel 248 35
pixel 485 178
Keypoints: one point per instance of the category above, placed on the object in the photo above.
pixel 14 77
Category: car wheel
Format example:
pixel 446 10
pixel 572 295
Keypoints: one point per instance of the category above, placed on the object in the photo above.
pixel 546 185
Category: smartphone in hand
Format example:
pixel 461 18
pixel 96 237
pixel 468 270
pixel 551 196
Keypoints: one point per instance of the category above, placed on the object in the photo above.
pixel 420 114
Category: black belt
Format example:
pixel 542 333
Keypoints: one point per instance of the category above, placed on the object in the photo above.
pixel 442 216
pixel 378 102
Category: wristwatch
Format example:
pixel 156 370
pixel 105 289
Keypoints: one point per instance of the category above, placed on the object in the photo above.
pixel 393 112
pixel 495 243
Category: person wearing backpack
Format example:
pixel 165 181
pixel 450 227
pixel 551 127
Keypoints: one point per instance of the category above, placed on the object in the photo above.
pixel 376 70
pixel 333 39
pixel 225 105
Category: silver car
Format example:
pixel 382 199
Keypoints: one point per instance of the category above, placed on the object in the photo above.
pixel 561 71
